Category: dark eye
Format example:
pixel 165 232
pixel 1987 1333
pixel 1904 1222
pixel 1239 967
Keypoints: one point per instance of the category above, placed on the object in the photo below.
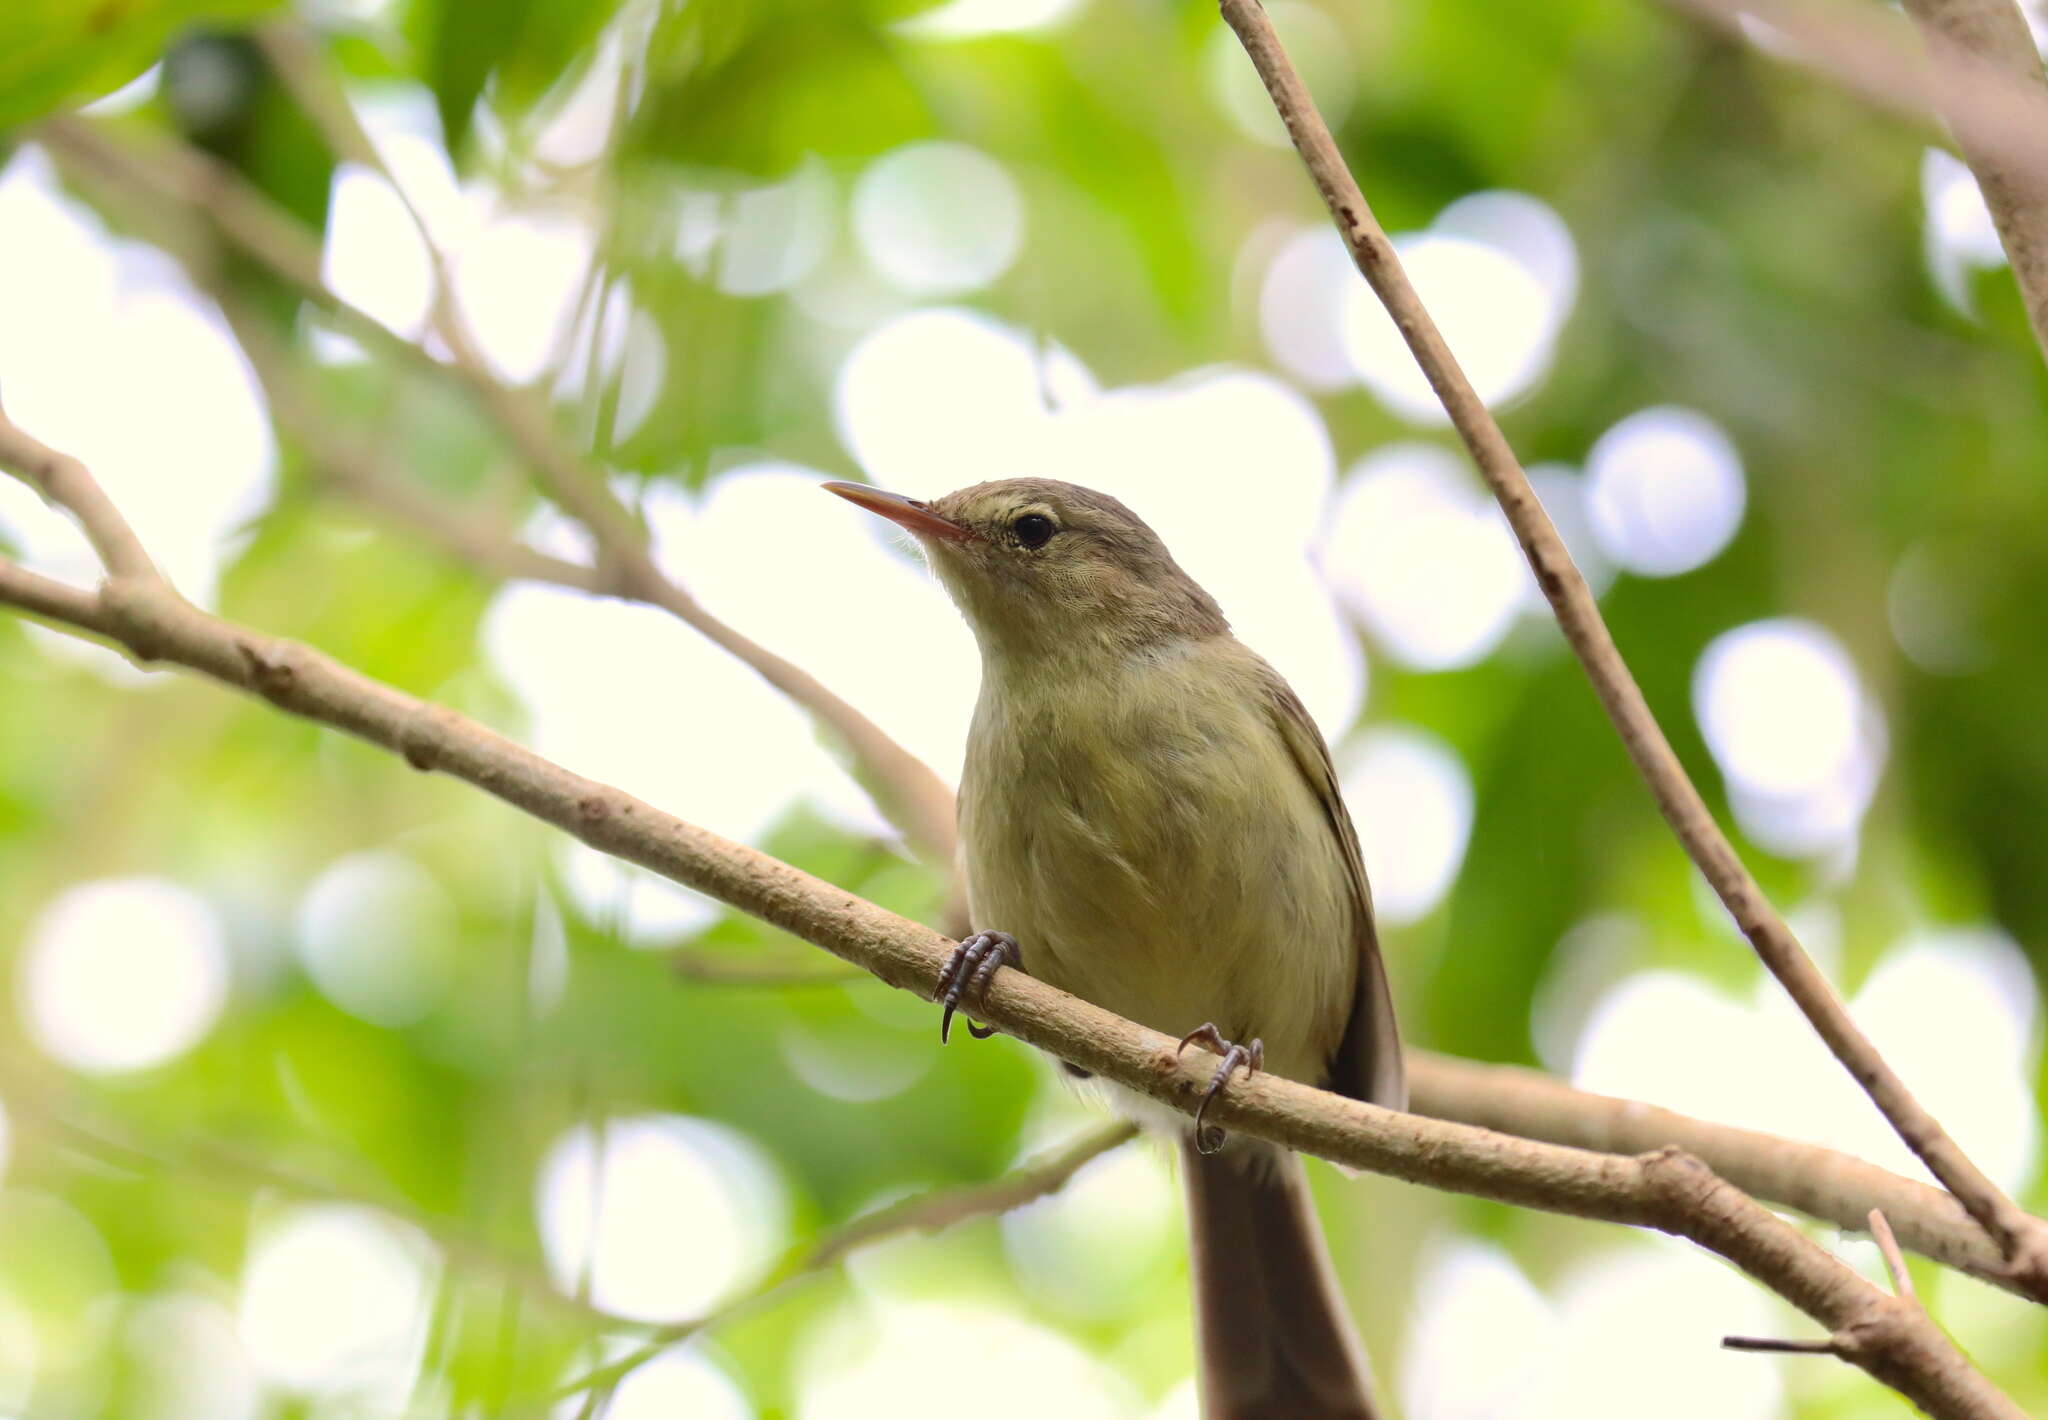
pixel 1033 530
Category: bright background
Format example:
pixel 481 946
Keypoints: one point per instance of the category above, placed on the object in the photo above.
pixel 325 1071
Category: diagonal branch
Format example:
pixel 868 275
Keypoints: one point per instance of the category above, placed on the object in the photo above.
pixel 1666 1189
pixel 908 790
pixel 2021 1237
pixel 1821 1183
pixel 930 1212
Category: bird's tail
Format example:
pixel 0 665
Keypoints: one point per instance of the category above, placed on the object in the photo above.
pixel 1274 1338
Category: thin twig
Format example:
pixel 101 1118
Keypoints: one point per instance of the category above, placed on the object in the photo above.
pixel 1788 1348
pixel 907 790
pixel 1666 1189
pixel 1894 1260
pixel 931 1212
pixel 1823 1183
pixel 64 482
pixel 2021 1237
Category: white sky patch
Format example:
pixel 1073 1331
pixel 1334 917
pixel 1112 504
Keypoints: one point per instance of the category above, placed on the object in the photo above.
pixel 1489 1345
pixel 1496 314
pixel 914 1361
pixel 1301 307
pixel 938 218
pixel 123 974
pixel 1959 236
pixel 645 908
pixel 1527 229
pixel 189 1360
pixel 1094 1250
pixel 579 126
pixel 374 257
pixel 516 284
pixel 1498 270
pixel 1177 454
pixel 629 695
pixel 1952 1010
pixel 965 19
pixel 679 1384
pixel 820 581
pixel 924 401
pixel 1632 1318
pixel 1667 491
pixel 377 935
pixel 335 1300
pixel 1412 801
pixel 666 1213
pixel 1799 739
pixel 1422 554
pixel 190 458
pixel 1482 1338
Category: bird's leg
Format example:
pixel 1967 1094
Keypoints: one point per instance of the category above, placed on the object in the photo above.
pixel 968 972
pixel 1249 1058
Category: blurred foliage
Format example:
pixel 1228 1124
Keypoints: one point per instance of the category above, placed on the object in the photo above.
pixel 1749 243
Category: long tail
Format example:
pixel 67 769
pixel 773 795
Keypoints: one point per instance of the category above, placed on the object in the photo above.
pixel 1275 1340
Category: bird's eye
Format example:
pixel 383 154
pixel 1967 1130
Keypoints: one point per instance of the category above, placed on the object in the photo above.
pixel 1033 530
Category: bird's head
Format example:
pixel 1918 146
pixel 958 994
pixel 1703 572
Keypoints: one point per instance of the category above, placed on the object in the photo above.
pixel 1049 570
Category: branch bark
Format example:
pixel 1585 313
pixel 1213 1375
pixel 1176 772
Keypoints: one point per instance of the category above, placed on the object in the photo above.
pixel 2021 1237
pixel 1666 1189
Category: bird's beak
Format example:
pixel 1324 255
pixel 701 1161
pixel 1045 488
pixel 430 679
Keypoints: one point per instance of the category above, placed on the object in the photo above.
pixel 905 512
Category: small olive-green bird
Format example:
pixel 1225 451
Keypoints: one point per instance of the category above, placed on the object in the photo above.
pixel 1150 820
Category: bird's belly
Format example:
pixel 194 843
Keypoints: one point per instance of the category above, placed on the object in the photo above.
pixel 1183 893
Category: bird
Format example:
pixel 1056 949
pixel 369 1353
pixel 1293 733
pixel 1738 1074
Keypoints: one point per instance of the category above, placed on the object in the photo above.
pixel 1150 820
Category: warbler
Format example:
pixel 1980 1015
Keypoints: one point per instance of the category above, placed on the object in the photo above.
pixel 1150 820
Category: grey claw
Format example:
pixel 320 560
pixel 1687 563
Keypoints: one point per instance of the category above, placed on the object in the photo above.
pixel 968 972
pixel 1236 1057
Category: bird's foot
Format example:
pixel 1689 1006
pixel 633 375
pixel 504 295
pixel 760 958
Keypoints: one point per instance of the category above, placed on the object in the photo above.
pixel 1249 1058
pixel 965 980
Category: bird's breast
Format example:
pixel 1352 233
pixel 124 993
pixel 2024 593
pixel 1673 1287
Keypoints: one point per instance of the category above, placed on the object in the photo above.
pixel 1148 838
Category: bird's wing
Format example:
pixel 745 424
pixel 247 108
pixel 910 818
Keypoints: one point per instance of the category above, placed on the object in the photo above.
pixel 1367 1064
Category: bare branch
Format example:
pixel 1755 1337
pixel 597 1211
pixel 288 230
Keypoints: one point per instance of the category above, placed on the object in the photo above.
pixel 2020 1236
pixel 1822 1183
pixel 935 1212
pixel 64 481
pixel 914 797
pixel 1894 1260
pixel 1787 1348
pixel 1666 1189
pixel 930 1212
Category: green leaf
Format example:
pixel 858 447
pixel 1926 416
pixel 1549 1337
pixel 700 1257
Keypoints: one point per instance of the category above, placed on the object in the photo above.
pixel 54 53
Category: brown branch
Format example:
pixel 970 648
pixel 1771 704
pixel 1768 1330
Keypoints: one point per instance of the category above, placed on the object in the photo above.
pixel 1666 1189
pixel 1894 1260
pixel 907 789
pixel 64 482
pixel 2021 1237
pixel 1822 1183
pixel 1783 1348
pixel 930 1212
pixel 1978 72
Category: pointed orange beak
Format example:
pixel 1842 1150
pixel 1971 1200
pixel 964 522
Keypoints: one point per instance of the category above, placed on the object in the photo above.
pixel 905 512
